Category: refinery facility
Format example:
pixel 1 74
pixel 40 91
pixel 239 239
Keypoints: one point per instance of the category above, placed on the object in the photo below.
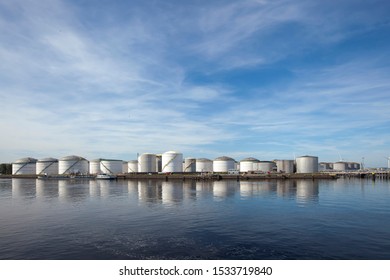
pixel 173 162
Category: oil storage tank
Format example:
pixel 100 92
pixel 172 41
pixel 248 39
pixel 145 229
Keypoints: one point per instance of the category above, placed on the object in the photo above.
pixel 94 166
pixel 24 166
pixel 340 166
pixel 132 166
pixel 147 163
pixel 248 164
pixel 172 162
pixel 204 165
pixel 73 165
pixel 189 165
pixel 111 166
pixel 47 166
pixel 265 166
pixel 223 164
pixel 307 164
pixel 285 165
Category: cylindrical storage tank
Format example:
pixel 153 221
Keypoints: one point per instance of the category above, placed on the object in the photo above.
pixel 189 165
pixel 285 165
pixel 158 163
pixel 204 165
pixel 307 164
pixel 111 166
pixel 248 164
pixel 340 166
pixel 132 166
pixel 47 166
pixel 94 166
pixel 265 166
pixel 356 166
pixel 72 165
pixel 223 164
pixel 24 166
pixel 124 166
pixel 147 163
pixel 172 162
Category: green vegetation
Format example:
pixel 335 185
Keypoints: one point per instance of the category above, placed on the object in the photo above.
pixel 6 168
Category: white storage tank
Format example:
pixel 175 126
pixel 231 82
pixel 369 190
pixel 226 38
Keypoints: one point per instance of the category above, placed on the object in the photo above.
pixel 204 165
pixel 285 166
pixel 147 163
pixel 124 166
pixel 248 164
pixel 172 162
pixel 265 166
pixel 189 165
pixel 307 164
pixel 94 166
pixel 340 166
pixel 72 165
pixel 223 164
pixel 24 166
pixel 132 166
pixel 111 166
pixel 47 166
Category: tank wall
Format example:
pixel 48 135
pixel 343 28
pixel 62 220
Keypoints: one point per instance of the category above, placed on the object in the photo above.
pixel 147 163
pixel 111 167
pixel 132 166
pixel 223 165
pixel 307 164
pixel 204 166
pixel 189 165
pixel 340 166
pixel 23 168
pixel 265 166
pixel 246 166
pixel 50 168
pixel 172 162
pixel 73 166
pixel 94 167
pixel 286 166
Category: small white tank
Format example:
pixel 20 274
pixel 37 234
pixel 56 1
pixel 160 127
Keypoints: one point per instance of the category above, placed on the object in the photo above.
pixel 340 166
pixel 111 166
pixel 307 164
pixel 189 165
pixel 72 165
pixel 147 163
pixel 265 166
pixel 132 166
pixel 24 166
pixel 172 162
pixel 204 165
pixel 47 166
pixel 94 166
pixel 285 166
pixel 248 164
pixel 223 164
pixel 124 167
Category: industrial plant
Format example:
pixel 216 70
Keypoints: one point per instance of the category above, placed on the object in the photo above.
pixel 172 162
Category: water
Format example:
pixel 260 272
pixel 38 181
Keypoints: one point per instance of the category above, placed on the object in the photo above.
pixel 291 219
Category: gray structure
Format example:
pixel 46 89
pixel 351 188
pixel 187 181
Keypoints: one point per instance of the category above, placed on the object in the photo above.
pixel 285 165
pixel 307 164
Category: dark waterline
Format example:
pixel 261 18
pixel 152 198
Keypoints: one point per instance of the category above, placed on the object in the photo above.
pixel 279 219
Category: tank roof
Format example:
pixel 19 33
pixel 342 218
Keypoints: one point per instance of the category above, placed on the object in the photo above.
pixel 251 159
pixel 72 157
pixel 203 159
pixel 26 160
pixel 224 158
pixel 172 152
pixel 265 161
pixel 49 159
pixel 133 161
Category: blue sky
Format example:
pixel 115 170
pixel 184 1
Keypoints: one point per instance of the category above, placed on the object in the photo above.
pixel 267 79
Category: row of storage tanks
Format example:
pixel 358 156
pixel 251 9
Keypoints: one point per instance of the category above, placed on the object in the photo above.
pixel 339 166
pixel 166 163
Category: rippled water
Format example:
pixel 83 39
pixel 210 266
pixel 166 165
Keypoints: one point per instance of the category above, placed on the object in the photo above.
pixel 279 219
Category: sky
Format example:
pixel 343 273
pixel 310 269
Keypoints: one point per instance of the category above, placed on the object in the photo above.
pixel 253 78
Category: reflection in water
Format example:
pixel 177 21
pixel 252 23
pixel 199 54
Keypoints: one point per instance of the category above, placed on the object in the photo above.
pixel 307 191
pixel 166 192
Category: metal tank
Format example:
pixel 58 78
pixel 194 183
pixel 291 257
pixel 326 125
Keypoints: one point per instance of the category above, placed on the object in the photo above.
pixel 265 166
pixel 111 166
pixel 248 164
pixel 24 166
pixel 307 164
pixel 47 166
pixel 132 166
pixel 285 166
pixel 158 163
pixel 147 163
pixel 172 162
pixel 340 166
pixel 124 166
pixel 325 166
pixel 94 166
pixel 223 164
pixel 72 165
pixel 189 165
pixel 204 165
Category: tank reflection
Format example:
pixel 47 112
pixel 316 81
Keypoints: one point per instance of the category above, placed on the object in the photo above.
pixel 72 190
pixel 172 192
pixel 150 191
pixel 132 188
pixel 189 190
pixel 46 188
pixel 23 188
pixel 224 189
pixel 286 188
pixel 6 188
pixel 307 191
pixel 203 189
